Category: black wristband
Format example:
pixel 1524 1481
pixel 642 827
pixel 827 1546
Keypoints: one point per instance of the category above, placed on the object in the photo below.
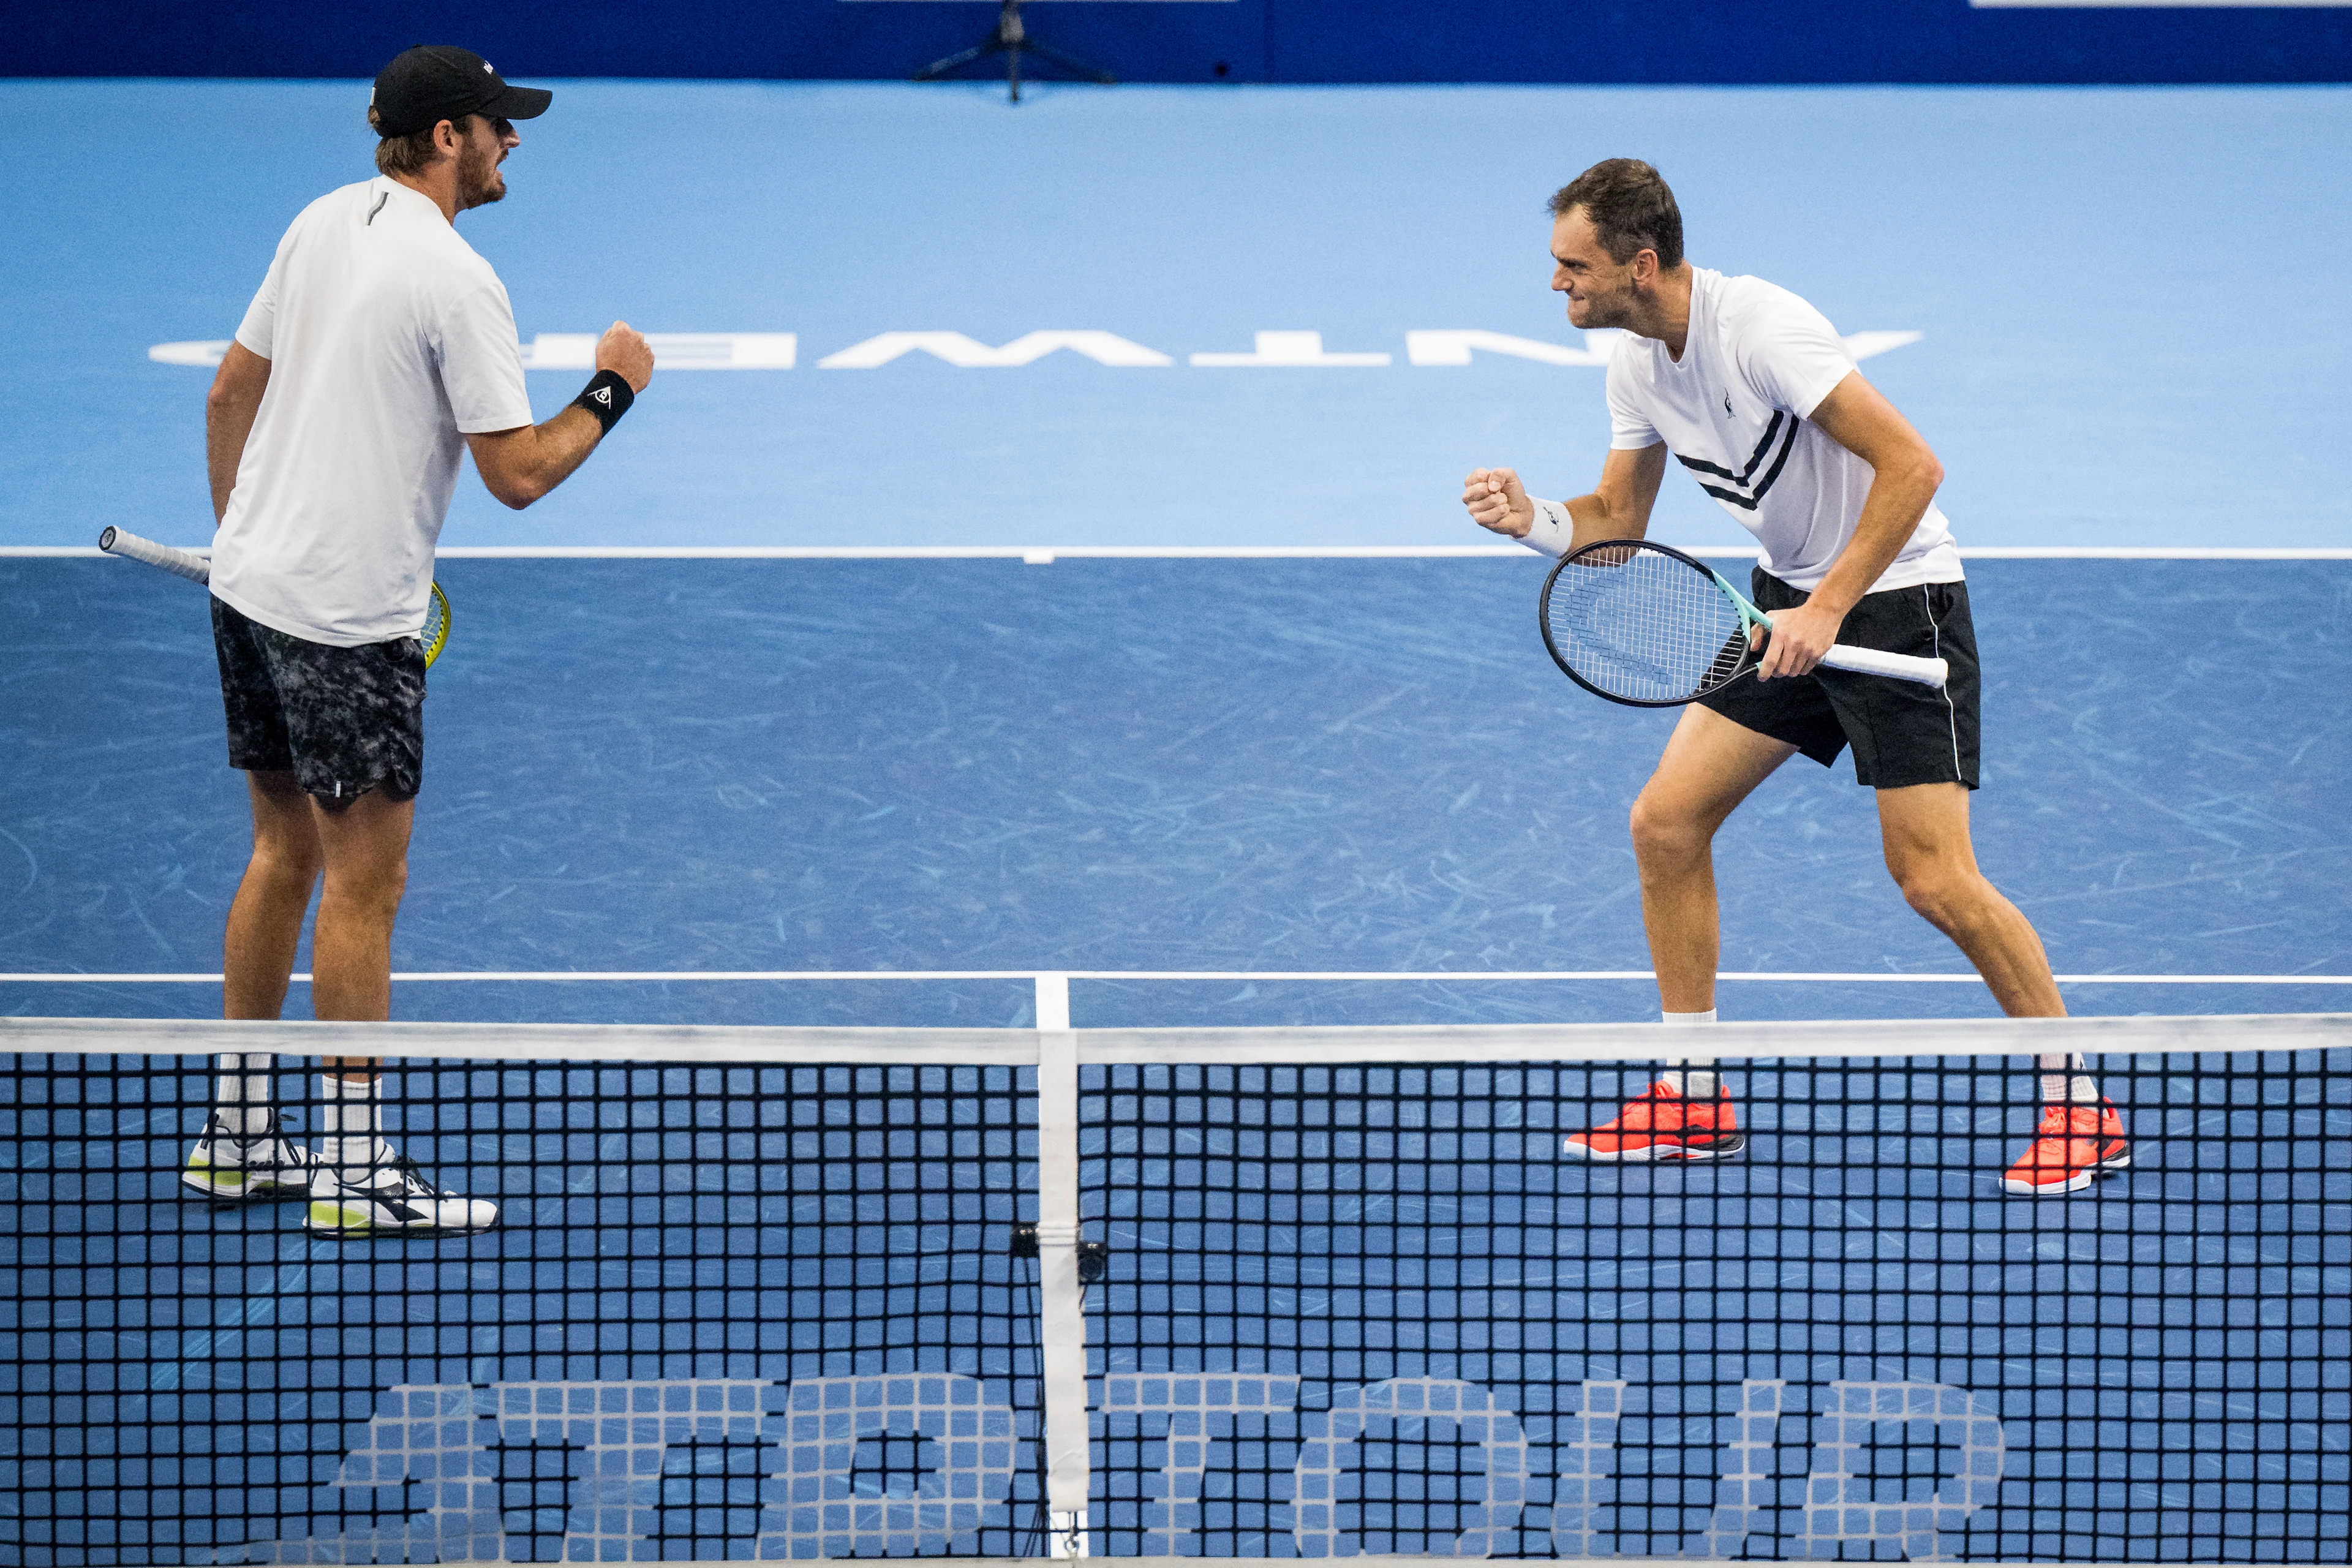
pixel 607 398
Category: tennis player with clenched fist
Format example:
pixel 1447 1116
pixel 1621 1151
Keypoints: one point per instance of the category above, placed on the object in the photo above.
pixel 379 348
pixel 1750 389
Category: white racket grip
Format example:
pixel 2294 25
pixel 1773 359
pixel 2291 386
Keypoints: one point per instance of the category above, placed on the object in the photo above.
pixel 1901 666
pixel 194 568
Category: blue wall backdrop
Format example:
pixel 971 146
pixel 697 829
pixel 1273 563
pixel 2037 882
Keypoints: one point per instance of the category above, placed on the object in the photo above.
pixel 1704 41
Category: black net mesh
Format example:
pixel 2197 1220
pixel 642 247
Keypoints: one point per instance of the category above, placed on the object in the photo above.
pixel 1379 1309
pixel 727 1311
pixel 775 1310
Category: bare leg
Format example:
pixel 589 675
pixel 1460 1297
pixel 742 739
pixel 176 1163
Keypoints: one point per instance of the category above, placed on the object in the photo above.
pixel 1710 766
pixel 365 850
pixel 366 853
pixel 265 919
pixel 1925 829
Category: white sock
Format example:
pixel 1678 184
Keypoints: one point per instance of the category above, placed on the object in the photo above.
pixel 244 1094
pixel 1692 1084
pixel 348 1120
pixel 2060 1088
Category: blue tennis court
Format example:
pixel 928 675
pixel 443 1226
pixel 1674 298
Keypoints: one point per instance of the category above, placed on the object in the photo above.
pixel 881 666
pixel 1261 766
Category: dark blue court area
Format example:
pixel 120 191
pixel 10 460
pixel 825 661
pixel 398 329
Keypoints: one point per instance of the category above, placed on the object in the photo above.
pixel 1264 766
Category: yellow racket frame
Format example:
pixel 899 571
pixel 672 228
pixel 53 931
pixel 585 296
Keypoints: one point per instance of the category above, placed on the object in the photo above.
pixel 435 636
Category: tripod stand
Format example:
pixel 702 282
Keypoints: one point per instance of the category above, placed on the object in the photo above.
pixel 1009 37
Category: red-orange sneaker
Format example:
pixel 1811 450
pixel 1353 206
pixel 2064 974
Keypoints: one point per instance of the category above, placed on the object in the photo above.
pixel 2074 1145
pixel 1663 1125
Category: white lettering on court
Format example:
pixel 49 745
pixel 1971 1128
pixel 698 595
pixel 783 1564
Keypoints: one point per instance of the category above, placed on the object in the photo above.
pixel 1426 347
pixel 1288 351
pixel 970 353
pixel 1453 348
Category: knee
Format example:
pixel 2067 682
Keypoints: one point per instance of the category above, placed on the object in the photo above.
pixel 373 888
pixel 1942 897
pixel 286 862
pixel 1665 836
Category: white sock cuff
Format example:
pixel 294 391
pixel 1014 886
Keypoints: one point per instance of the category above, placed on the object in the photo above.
pixel 241 1095
pixel 1695 1078
pixel 1705 1018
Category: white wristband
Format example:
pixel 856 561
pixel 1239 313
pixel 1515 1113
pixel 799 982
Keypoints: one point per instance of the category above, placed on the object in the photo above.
pixel 1552 529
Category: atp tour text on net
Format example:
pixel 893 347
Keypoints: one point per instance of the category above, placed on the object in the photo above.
pixel 435 1445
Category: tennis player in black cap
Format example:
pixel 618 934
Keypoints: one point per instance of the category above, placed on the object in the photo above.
pixel 379 349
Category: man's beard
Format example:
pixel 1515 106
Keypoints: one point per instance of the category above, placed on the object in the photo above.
pixel 1608 309
pixel 478 178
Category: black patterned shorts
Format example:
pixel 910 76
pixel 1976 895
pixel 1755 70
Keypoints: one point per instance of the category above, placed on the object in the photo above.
pixel 1903 733
pixel 343 720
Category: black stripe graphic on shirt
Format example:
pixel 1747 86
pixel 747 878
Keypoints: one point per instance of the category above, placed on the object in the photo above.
pixel 1787 445
pixel 1753 457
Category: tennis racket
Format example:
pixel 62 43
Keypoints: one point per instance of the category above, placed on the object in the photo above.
pixel 196 569
pixel 1648 626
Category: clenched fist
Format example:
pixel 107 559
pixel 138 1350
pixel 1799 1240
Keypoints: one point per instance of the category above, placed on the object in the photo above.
pixel 1498 501
pixel 623 350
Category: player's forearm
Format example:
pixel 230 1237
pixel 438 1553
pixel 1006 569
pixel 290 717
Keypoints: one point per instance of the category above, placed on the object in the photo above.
pixel 1561 526
pixel 1899 496
pixel 518 466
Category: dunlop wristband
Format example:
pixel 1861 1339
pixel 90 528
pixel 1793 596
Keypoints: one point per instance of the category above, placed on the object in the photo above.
pixel 607 398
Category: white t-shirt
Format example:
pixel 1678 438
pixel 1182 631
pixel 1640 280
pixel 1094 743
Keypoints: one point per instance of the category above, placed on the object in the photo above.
pixel 387 338
pixel 1735 412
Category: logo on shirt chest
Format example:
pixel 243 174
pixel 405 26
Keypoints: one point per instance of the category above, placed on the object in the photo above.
pixel 1746 485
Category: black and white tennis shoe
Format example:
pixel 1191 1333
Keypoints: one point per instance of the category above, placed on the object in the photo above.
pixel 393 1199
pixel 231 1168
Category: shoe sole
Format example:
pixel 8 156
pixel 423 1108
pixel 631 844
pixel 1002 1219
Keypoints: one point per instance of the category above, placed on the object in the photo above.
pixel 368 1230
pixel 2114 1164
pixel 259 1193
pixel 1730 1148
pixel 390 1233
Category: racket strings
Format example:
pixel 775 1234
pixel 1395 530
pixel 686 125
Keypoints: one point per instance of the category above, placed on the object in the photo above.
pixel 1644 626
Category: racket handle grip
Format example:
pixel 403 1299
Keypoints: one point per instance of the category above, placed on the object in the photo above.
pixel 1901 666
pixel 194 568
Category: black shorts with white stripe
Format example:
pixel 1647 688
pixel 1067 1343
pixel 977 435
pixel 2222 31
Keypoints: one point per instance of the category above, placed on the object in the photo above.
pixel 1902 733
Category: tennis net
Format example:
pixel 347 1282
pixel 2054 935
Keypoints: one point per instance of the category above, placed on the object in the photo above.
pixel 796 1293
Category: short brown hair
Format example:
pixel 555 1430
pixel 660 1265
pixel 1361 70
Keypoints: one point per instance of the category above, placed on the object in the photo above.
pixel 413 153
pixel 1631 208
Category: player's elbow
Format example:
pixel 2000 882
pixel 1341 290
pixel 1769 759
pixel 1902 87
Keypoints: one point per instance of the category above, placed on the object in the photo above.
pixel 515 485
pixel 1927 470
pixel 515 493
pixel 224 398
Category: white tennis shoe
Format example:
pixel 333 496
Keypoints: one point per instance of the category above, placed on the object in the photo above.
pixel 394 1200
pixel 230 1168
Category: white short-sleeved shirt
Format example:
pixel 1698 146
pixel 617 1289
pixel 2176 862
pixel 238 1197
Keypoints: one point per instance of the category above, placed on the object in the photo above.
pixel 1736 411
pixel 388 340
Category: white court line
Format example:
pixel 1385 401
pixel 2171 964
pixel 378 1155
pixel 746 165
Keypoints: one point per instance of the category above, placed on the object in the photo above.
pixel 612 975
pixel 1045 555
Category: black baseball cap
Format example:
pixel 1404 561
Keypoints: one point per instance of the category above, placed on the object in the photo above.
pixel 432 83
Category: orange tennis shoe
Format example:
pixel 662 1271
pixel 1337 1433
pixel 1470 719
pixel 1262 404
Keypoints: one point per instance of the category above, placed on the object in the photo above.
pixel 2074 1146
pixel 1663 1125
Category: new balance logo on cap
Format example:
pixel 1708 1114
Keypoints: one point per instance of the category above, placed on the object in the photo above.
pixel 603 395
